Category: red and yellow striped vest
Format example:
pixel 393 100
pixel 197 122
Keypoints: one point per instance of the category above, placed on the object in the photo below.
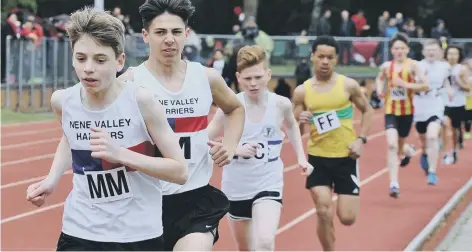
pixel 399 101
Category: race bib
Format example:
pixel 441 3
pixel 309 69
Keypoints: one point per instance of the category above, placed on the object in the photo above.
pixel 262 155
pixel 274 150
pixel 326 122
pixel 187 144
pixel 398 93
pixel 107 186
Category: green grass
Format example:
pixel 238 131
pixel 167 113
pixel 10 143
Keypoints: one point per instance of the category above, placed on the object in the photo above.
pixel 289 69
pixel 9 116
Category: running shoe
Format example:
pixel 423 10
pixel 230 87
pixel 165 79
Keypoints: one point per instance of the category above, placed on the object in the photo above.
pixel 394 191
pixel 432 178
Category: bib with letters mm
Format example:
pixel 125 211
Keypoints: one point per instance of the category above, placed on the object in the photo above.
pixel 262 155
pixel 110 185
pixel 326 122
pixel 398 94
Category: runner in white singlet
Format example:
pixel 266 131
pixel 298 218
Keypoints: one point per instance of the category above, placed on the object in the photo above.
pixel 455 108
pixel 191 212
pixel 110 129
pixel 253 181
pixel 429 107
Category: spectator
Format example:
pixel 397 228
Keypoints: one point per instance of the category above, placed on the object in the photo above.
pixel 324 26
pixel 360 22
pixel 302 39
pixel 193 46
pixel 399 21
pixel 410 28
pixel 302 71
pixel 382 23
pixel 128 29
pixel 392 28
pixel 10 28
pixel 218 61
pixel 347 29
pixel 440 31
pixel 251 34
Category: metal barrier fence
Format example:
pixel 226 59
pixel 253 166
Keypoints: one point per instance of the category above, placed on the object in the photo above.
pixel 34 71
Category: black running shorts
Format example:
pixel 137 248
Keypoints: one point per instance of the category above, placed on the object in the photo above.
pixel 195 211
pixel 71 243
pixel 242 209
pixel 338 173
pixel 402 123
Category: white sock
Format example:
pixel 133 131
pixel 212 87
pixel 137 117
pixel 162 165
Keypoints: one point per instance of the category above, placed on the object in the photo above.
pixel 394 184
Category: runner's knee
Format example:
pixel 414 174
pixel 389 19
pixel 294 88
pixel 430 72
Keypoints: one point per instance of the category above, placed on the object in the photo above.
pixel 392 146
pixel 324 210
pixel 347 218
pixel 264 242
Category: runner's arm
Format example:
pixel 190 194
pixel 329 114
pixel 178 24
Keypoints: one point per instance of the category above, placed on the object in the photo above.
pixel 298 104
pixel 233 110
pixel 172 166
pixel 361 103
pixel 464 76
pixel 380 79
pixel 421 83
pixel 216 125
pixel 63 157
pixel 293 131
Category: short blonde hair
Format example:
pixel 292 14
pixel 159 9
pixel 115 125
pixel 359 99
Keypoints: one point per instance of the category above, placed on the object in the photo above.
pixel 428 42
pixel 101 26
pixel 249 56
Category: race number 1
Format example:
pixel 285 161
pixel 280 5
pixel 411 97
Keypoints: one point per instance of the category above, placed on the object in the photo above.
pixel 326 122
pixel 187 146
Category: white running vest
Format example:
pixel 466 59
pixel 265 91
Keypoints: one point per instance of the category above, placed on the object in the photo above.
pixel 243 178
pixel 109 202
pixel 187 112
pixel 459 95
pixel 431 103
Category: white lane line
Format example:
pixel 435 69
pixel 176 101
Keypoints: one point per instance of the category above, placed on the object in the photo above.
pixel 312 211
pixel 31 132
pixel 13 146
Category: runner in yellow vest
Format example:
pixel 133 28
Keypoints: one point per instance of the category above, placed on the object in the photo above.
pixel 325 102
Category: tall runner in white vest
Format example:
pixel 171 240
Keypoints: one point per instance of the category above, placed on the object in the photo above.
pixel 455 109
pixel 253 181
pixel 191 212
pixel 110 129
pixel 429 107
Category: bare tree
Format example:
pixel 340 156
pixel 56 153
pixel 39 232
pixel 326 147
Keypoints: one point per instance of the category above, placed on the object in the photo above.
pixel 250 8
pixel 315 16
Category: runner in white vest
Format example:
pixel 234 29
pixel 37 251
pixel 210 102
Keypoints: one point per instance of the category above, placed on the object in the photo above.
pixel 191 212
pixel 253 181
pixel 429 107
pixel 110 129
pixel 455 108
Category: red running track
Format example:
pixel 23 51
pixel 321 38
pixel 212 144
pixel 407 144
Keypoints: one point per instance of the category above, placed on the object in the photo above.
pixel 383 223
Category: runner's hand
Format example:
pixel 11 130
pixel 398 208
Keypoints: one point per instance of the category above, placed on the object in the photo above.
pixel 248 150
pixel 37 192
pixel 306 167
pixel 102 146
pixel 355 149
pixel 305 117
pixel 219 153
